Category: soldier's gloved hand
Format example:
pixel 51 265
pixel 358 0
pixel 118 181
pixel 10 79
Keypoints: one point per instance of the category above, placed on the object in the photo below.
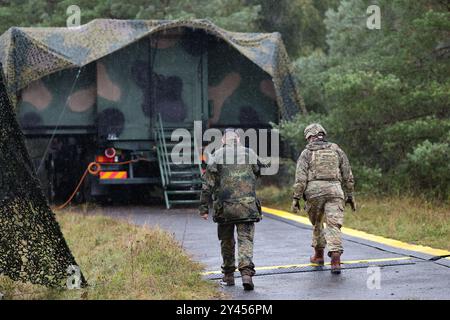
pixel 295 207
pixel 204 215
pixel 351 202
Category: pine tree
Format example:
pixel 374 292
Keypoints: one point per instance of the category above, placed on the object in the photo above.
pixel 384 94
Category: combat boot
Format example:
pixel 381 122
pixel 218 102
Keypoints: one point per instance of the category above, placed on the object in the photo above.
pixel 317 258
pixel 228 279
pixel 335 262
pixel 247 282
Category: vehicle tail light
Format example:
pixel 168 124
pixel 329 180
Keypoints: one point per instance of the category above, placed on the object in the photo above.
pixel 103 159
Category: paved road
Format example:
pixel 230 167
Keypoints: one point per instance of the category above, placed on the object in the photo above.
pixel 280 242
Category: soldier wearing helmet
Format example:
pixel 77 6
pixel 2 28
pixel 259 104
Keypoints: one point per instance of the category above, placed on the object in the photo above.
pixel 324 180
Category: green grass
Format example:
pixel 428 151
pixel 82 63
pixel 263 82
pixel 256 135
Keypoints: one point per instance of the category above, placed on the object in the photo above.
pixel 407 218
pixel 122 261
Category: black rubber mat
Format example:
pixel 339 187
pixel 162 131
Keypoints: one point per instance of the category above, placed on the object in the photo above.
pixel 310 268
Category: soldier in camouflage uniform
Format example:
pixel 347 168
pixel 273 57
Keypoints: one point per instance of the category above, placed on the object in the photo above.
pixel 324 179
pixel 229 182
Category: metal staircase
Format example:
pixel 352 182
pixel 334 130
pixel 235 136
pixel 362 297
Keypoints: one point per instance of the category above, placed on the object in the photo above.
pixel 181 182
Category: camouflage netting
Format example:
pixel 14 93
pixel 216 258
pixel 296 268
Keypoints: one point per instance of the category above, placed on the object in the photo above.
pixel 32 247
pixel 28 54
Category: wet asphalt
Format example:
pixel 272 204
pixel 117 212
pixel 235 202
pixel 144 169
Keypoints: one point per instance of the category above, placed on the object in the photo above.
pixel 280 242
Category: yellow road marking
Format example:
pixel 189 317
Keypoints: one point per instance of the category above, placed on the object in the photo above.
pixel 287 266
pixel 364 235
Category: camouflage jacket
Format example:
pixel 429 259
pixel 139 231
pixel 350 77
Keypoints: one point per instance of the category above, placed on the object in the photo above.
pixel 229 182
pixel 323 169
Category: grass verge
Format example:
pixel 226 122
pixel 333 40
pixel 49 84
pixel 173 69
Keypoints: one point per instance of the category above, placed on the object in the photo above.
pixel 122 261
pixel 406 218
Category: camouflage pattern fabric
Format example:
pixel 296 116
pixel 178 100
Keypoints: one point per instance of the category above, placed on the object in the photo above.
pixel 323 170
pixel 314 129
pixel 330 211
pixel 229 182
pixel 28 54
pixel 32 247
pixel 324 178
pixel 241 93
pixel 245 235
pixel 121 93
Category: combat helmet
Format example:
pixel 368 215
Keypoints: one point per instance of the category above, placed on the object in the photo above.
pixel 313 130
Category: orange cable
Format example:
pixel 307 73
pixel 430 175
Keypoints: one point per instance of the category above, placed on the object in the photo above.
pixel 74 192
pixel 85 174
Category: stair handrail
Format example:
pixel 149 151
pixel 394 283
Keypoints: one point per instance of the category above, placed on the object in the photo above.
pixel 162 152
pixel 160 160
pixel 197 158
pixel 166 154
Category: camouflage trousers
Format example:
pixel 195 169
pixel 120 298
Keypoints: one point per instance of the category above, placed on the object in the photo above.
pixel 331 212
pixel 245 234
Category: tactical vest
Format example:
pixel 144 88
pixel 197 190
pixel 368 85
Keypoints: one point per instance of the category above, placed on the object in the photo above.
pixel 324 165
